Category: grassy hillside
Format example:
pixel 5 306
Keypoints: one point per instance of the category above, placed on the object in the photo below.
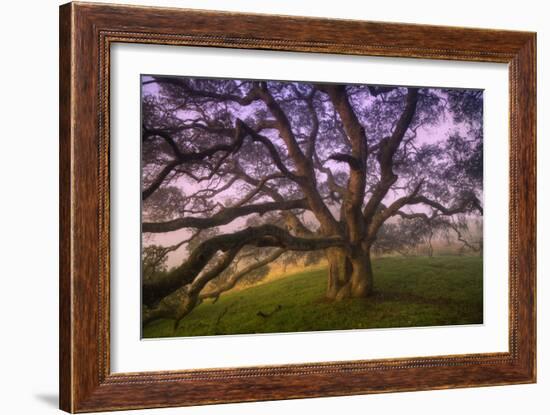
pixel 409 292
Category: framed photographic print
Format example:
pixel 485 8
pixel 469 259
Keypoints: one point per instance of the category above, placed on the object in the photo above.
pixel 261 207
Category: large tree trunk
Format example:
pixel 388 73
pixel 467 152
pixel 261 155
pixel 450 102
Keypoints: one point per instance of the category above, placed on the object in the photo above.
pixel 361 277
pixel 348 277
pixel 339 271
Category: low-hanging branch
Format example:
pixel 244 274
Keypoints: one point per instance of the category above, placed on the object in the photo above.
pixel 173 306
pixel 260 236
pixel 460 237
pixel 236 277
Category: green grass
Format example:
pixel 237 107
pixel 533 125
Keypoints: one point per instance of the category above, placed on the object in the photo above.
pixel 409 292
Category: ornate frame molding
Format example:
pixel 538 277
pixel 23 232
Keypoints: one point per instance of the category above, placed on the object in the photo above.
pixel 87 32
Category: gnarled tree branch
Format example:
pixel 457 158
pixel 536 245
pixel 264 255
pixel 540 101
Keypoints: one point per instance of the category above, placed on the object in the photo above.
pixel 182 158
pixel 386 151
pixel 261 236
pixel 235 278
pixel 223 217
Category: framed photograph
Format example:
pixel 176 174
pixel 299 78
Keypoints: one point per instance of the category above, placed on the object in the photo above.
pixel 261 207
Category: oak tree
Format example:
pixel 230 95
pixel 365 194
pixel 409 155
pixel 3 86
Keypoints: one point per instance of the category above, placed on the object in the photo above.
pixel 248 172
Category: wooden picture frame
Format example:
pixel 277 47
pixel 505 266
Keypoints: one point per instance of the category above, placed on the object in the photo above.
pixel 86 33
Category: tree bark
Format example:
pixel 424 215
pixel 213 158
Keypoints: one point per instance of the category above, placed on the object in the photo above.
pixel 348 276
pixel 361 282
pixel 339 271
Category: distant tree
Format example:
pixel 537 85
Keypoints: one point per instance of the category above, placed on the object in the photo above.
pixel 319 168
